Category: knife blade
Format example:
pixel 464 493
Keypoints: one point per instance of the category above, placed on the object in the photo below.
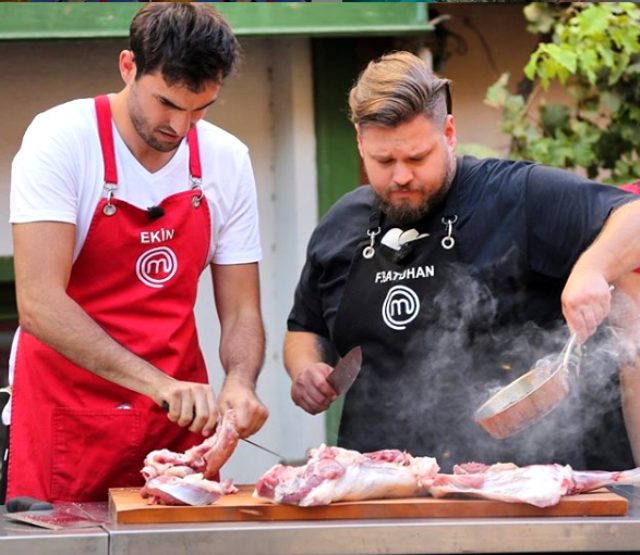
pixel 265 449
pixel 346 371
pixel 165 407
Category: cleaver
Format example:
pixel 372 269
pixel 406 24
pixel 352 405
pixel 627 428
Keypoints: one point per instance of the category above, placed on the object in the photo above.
pixel 346 371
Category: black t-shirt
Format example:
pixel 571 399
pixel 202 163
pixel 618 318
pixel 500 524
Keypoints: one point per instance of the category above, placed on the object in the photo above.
pixel 549 215
pixel 520 229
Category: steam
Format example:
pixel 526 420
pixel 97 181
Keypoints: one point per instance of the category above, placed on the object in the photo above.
pixel 469 351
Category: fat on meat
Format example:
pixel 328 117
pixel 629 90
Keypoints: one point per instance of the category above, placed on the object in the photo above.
pixel 541 485
pixel 336 474
pixel 171 478
pixel 193 489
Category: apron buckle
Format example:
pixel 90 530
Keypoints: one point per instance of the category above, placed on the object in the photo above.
pixel 196 185
pixel 109 209
pixel 369 251
pixel 448 242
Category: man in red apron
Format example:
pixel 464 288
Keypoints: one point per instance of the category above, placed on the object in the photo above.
pixel 118 204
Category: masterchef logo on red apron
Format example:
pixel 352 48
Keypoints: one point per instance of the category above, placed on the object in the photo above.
pixel 400 307
pixel 156 266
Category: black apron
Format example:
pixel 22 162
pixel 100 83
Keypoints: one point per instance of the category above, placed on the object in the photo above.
pixel 426 323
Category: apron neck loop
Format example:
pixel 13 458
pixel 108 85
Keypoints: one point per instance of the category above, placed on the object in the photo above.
pixel 448 241
pixel 373 230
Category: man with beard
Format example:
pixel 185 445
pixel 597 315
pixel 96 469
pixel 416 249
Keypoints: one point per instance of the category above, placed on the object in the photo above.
pixel 448 272
pixel 118 203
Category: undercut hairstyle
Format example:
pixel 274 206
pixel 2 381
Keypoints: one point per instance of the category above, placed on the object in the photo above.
pixel 189 43
pixel 397 87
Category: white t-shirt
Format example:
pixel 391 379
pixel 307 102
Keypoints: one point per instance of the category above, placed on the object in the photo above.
pixel 58 175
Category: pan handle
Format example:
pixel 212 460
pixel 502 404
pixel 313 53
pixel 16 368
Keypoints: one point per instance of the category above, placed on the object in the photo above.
pixel 566 353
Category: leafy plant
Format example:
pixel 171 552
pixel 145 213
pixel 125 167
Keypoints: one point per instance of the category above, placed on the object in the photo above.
pixel 593 51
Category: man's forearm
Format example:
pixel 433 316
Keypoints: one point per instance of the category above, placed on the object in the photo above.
pixel 303 349
pixel 616 251
pixel 58 321
pixel 242 349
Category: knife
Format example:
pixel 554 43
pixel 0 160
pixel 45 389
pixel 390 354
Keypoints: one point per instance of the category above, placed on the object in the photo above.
pixel 346 371
pixel 165 406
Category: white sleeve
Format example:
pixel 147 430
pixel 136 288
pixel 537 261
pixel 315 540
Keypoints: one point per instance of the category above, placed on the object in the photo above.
pixel 239 238
pixel 44 174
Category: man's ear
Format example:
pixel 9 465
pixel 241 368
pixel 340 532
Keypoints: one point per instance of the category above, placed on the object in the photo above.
pixel 450 132
pixel 359 140
pixel 127 66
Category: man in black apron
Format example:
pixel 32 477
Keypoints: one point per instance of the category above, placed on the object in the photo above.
pixel 449 273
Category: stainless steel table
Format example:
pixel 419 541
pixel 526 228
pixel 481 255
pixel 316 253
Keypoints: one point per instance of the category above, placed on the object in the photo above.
pixel 20 538
pixel 422 536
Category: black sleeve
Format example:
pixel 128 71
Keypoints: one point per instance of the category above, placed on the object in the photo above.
pixel 307 313
pixel 329 254
pixel 565 213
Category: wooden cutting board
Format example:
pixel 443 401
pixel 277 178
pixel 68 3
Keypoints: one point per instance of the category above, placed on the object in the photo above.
pixel 127 507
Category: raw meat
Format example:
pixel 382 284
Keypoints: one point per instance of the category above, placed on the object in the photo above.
pixel 207 458
pixel 193 489
pixel 539 485
pixel 189 478
pixel 335 474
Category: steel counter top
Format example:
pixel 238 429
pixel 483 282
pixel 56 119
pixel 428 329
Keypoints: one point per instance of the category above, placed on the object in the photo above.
pixel 399 536
pixel 16 537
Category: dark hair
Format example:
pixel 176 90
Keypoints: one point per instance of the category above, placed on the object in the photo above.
pixel 189 43
pixel 396 88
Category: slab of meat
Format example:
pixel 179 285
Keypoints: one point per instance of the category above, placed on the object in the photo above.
pixel 193 489
pixel 176 478
pixel 335 474
pixel 541 485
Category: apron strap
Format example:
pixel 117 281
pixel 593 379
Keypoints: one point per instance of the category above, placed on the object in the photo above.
pixel 105 131
pixel 374 219
pixel 194 154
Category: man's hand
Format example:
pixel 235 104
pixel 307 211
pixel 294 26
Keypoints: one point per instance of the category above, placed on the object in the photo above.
pixel 251 414
pixel 586 302
pixel 191 405
pixel 311 390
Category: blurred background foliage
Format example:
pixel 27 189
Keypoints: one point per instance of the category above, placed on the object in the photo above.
pixel 593 51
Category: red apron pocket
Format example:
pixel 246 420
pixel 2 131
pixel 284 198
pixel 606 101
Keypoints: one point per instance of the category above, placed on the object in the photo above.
pixel 94 450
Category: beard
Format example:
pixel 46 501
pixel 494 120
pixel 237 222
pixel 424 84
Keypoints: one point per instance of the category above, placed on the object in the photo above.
pixel 142 127
pixel 404 214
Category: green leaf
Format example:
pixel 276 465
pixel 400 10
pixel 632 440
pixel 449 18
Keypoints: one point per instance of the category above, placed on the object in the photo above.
pixel 531 67
pixel 593 20
pixel 554 118
pixel 563 56
pixel 497 93
pixel 589 64
pixel 539 17
pixel 610 101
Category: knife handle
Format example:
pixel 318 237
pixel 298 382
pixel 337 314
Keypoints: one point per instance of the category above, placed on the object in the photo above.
pixel 25 503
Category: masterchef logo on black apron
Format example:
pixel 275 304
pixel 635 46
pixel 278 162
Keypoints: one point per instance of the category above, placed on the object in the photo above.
pixel 400 307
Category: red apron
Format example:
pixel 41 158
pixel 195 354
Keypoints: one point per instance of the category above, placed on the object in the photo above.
pixel 74 434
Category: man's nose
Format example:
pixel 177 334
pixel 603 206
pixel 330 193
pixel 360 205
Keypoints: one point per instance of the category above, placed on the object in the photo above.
pixel 402 174
pixel 181 123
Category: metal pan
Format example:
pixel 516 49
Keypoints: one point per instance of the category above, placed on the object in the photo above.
pixel 530 397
